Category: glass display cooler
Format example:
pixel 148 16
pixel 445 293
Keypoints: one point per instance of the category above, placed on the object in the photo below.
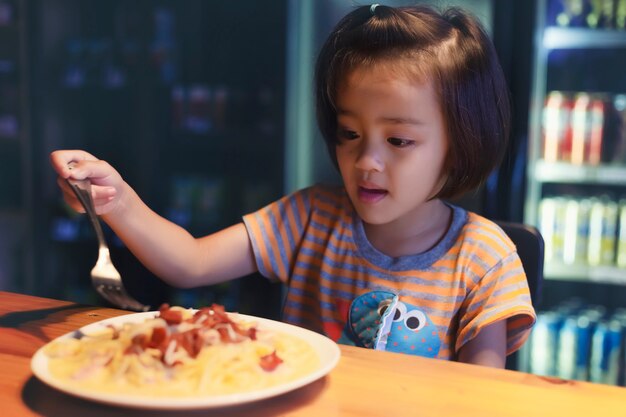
pixel 16 195
pixel 576 188
pixel 186 99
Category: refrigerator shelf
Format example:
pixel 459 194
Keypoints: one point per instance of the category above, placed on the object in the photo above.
pixel 582 38
pixel 598 54
pixel 586 273
pixel 562 172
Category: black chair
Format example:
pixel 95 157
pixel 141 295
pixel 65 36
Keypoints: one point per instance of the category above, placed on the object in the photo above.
pixel 530 247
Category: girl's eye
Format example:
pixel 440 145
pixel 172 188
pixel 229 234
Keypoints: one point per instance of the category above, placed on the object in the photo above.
pixel 399 142
pixel 348 134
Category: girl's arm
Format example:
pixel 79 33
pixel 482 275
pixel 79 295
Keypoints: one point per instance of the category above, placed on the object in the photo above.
pixel 488 348
pixel 173 254
pixel 165 248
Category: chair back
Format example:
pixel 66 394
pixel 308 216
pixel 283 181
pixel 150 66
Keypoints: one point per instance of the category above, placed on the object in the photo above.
pixel 530 248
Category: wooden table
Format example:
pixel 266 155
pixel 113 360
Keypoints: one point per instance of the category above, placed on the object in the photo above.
pixel 364 383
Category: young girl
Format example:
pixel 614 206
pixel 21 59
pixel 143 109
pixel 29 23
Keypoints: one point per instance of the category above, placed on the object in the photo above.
pixel 413 107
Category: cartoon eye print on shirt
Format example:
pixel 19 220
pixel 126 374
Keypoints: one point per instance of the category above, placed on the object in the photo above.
pixel 406 329
pixel 413 320
pixel 383 306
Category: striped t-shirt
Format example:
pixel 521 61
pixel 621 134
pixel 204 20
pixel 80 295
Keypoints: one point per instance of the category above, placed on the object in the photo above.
pixel 429 304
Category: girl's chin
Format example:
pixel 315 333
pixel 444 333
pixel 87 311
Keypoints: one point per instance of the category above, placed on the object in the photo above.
pixel 372 217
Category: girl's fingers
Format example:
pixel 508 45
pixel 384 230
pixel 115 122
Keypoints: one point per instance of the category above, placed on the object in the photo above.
pixel 102 194
pixel 99 194
pixel 99 172
pixel 81 165
pixel 61 160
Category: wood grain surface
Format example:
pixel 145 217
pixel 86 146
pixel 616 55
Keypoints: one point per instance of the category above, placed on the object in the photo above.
pixel 364 383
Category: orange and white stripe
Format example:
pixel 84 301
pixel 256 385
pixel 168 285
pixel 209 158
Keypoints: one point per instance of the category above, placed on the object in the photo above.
pixel 313 241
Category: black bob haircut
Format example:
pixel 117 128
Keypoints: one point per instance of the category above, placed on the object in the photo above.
pixel 450 49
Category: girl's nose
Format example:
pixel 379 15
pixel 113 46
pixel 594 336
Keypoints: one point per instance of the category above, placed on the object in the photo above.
pixel 369 158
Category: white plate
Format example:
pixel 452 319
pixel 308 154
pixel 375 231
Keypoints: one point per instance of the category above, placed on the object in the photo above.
pixel 327 350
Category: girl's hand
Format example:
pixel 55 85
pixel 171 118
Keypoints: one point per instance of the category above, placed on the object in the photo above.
pixel 107 185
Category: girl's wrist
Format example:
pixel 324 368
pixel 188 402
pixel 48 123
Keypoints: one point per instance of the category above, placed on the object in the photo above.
pixel 122 205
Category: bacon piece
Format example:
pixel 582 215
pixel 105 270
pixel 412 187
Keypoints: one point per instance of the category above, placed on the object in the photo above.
pixel 215 317
pixel 270 362
pixel 137 345
pixel 190 341
pixel 158 337
pixel 212 318
pixel 169 315
pixel 246 333
pixel 225 335
pixel 252 333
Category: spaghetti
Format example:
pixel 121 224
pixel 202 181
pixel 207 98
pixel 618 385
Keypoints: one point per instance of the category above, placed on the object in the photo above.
pixel 180 353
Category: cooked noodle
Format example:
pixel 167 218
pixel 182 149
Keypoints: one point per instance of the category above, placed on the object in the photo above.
pixel 181 353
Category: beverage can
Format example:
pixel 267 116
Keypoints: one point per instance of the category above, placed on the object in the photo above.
pixel 199 115
pixel 594 243
pixel 582 231
pixel 568 13
pixel 614 130
pixel 581 127
pixel 620 14
pixel 556 123
pixel 601 14
pixel 621 240
pixel 620 315
pixel 576 231
pixel 567 341
pixel 543 344
pixel 603 221
pixel 593 148
pixel 604 364
pixel 609 232
pixel 575 346
pixel 560 224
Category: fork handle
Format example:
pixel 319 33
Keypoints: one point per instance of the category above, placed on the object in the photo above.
pixel 82 189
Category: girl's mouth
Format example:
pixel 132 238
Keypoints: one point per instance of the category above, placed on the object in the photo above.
pixel 371 195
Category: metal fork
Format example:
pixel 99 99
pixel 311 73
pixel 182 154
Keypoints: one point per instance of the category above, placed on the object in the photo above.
pixel 104 277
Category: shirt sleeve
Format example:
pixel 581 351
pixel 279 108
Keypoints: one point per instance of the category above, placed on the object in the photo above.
pixel 501 294
pixel 276 232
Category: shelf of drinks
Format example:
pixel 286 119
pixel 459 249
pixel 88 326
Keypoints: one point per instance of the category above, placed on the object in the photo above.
pixel 563 172
pixel 581 272
pixel 582 38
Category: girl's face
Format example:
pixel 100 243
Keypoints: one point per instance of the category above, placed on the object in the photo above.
pixel 392 145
